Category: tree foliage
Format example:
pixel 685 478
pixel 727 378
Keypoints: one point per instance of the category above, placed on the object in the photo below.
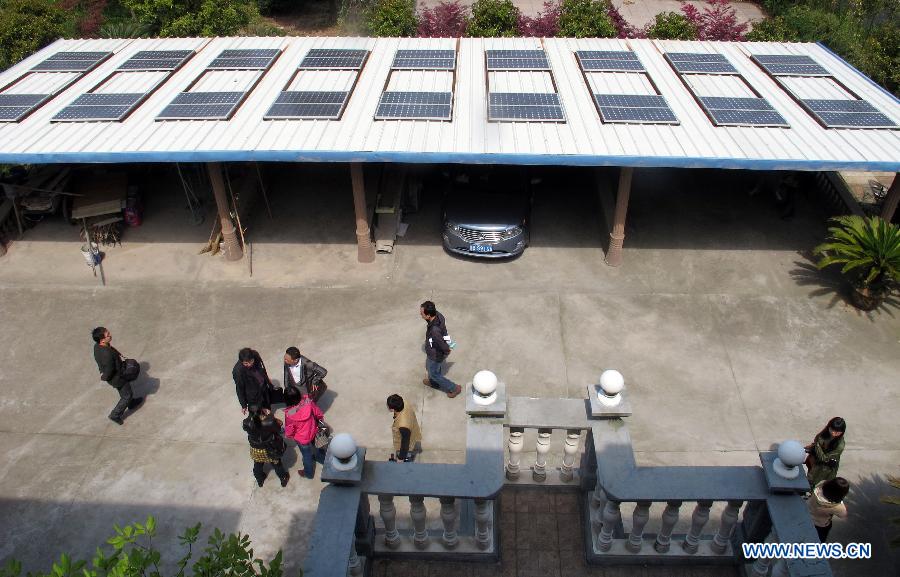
pixel 493 18
pixel 544 25
pixel 27 26
pixel 392 18
pixel 672 26
pixel 868 249
pixel 446 20
pixel 192 17
pixel 586 19
pixel 717 21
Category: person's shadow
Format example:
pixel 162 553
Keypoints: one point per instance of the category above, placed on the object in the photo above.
pixel 144 385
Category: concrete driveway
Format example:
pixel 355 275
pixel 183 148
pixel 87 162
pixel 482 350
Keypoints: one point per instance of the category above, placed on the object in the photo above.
pixel 728 340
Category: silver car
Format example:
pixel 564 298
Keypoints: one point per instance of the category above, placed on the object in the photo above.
pixel 487 210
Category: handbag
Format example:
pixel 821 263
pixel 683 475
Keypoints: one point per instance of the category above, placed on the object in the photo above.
pixel 323 435
pixel 132 370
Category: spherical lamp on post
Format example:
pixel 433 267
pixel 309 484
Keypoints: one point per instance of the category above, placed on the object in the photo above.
pixel 791 455
pixel 611 384
pixel 484 387
pixel 343 452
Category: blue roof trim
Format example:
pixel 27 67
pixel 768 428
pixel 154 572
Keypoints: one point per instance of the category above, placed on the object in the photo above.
pixel 855 69
pixel 446 158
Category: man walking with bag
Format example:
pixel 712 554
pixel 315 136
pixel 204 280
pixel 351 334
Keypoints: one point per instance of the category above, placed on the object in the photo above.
pixel 436 350
pixel 112 367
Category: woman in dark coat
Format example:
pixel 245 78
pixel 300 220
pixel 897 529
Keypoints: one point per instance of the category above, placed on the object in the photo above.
pixel 266 444
pixel 825 452
pixel 252 382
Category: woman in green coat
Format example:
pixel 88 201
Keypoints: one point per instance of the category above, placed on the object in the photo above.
pixel 825 452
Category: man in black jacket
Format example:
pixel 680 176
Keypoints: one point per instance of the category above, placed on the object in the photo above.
pixel 303 374
pixel 112 370
pixel 252 382
pixel 436 350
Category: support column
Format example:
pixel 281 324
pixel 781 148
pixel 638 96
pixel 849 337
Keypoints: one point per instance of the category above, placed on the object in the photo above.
pixel 515 453
pixel 483 534
pixel 639 521
pixel 449 513
pixel 699 519
pixel 891 200
pixel 417 513
pixel 669 518
pixel 389 517
pixel 726 527
pixel 233 250
pixel 567 473
pixel 539 473
pixel 617 235
pixel 365 248
pixel 611 518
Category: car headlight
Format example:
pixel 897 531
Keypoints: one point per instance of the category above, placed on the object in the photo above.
pixel 511 233
pixel 453 227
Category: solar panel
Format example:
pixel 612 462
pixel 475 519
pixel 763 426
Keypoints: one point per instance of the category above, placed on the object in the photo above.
pixel 694 62
pixel 822 105
pixel 725 117
pixel 523 99
pixel 395 97
pixel 21 99
pixel 250 53
pixel 196 112
pixel 336 58
pixel 611 65
pixel 301 110
pixel 13 113
pixel 107 99
pixel 239 64
pixel 154 54
pixel 631 100
pixel 311 97
pixel 425 59
pixel 635 108
pixel 156 60
pixel 527 113
pixel 606 55
pixel 732 103
pixel 789 65
pixel 517 60
pixel 82 113
pixel 72 61
pixel 695 57
pixel 837 113
pixel 389 111
pixel 208 98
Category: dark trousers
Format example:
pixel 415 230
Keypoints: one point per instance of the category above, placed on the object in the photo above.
pixel 126 394
pixel 310 455
pixel 823 531
pixel 259 470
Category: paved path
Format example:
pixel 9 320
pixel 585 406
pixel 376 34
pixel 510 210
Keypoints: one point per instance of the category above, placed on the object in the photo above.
pixel 728 339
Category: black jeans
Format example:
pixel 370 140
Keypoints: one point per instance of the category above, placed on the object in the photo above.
pixel 259 470
pixel 125 395
pixel 823 531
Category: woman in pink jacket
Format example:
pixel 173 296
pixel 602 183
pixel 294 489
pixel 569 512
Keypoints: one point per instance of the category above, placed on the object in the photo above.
pixel 300 423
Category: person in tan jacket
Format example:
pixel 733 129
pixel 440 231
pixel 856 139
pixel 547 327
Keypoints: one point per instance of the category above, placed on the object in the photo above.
pixel 405 429
pixel 826 502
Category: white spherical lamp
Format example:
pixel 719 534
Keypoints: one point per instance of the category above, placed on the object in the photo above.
pixel 484 387
pixel 611 384
pixel 343 452
pixel 791 455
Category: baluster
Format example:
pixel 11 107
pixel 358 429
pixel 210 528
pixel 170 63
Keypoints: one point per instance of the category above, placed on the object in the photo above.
pixel 726 527
pixel 698 520
pixel 417 514
pixel 638 522
pixel 611 518
pixel 389 518
pixel 355 564
pixel 669 518
pixel 515 453
pixel 483 536
pixel 598 502
pixel 569 449
pixel 448 516
pixel 539 473
pixel 760 567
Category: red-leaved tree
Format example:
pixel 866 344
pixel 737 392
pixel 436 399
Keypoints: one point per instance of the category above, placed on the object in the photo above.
pixel 625 28
pixel 718 21
pixel 446 20
pixel 544 25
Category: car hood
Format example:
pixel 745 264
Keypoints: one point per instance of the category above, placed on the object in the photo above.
pixel 486 210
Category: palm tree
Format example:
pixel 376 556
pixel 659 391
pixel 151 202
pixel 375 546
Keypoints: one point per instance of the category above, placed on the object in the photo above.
pixel 869 250
pixel 893 500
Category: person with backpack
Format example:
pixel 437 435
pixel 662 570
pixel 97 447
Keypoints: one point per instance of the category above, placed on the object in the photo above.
pixel 304 374
pixel 114 370
pixel 437 349
pixel 301 422
pixel 824 453
pixel 826 502
pixel 266 444
pixel 252 382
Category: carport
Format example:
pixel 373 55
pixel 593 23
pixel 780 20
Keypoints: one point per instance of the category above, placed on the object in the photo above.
pixel 517 101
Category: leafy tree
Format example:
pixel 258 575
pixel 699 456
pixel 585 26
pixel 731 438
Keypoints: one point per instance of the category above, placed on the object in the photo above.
pixel 27 26
pixel 672 26
pixel 446 20
pixel 770 30
pixel 718 21
pixel 122 29
pixel 192 17
pixel 586 19
pixel 878 56
pixel 392 18
pixel 624 28
pixel 544 25
pixel 493 18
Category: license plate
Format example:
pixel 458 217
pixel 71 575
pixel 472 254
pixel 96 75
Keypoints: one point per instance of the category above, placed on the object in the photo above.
pixel 480 248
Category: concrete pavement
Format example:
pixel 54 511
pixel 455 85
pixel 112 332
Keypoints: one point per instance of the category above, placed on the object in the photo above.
pixel 727 339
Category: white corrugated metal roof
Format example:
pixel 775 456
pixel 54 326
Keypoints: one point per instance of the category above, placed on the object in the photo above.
pixel 583 139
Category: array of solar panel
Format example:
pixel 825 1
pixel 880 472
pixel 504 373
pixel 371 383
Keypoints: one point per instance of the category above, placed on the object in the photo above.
pixel 524 106
pixel 202 106
pixel 100 106
pixel 517 60
pixel 414 105
pixel 71 61
pixel 608 60
pixel 848 114
pixel 309 104
pixel 789 65
pixel 244 59
pixel 334 58
pixel 733 111
pixel 152 60
pixel 695 62
pixel 13 107
pixel 424 60
pixel 635 108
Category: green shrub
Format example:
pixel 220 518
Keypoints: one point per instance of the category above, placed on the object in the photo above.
pixel 262 27
pixel 771 30
pixel 585 19
pixel 493 18
pixel 27 26
pixel 807 24
pixel 392 18
pixel 672 26
pixel 193 17
pixel 122 29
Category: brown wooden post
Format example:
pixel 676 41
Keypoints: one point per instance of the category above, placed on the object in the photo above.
pixel 233 250
pixel 617 235
pixel 891 200
pixel 365 248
